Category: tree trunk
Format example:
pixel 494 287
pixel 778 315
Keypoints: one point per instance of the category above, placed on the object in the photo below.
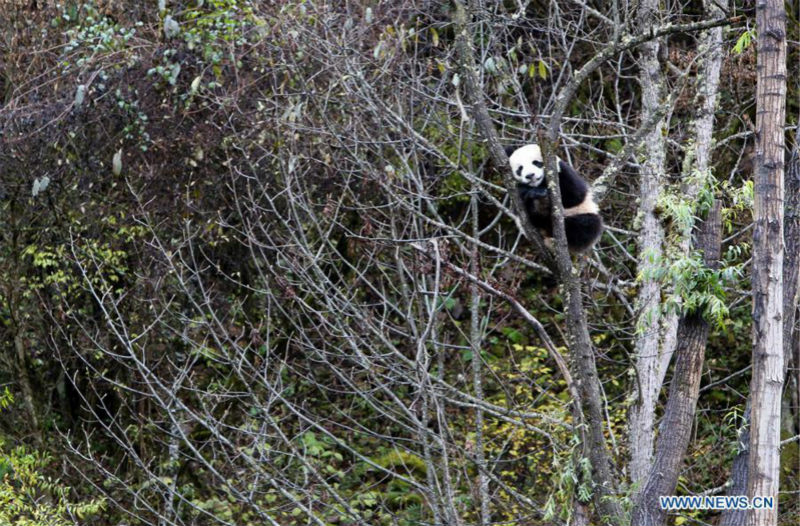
pixel 475 339
pixel 26 385
pixel 582 361
pixel 676 426
pixel 651 357
pixel 582 353
pixel 791 262
pixel 767 277
pixel 791 235
pixel 738 481
pixel 657 340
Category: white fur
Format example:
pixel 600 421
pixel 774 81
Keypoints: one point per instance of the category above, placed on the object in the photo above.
pixel 533 175
pixel 588 206
pixel 524 157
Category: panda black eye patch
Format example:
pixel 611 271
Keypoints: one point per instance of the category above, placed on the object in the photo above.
pixel 538 164
pixel 519 170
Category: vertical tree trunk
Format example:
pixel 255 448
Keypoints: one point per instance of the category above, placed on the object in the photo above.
pixel 26 385
pixel 582 353
pixel 475 336
pixel 676 426
pixel 582 361
pixel 768 359
pixel 738 480
pixel 791 262
pixel 791 273
pixel 791 277
pixel 651 358
pixel 657 341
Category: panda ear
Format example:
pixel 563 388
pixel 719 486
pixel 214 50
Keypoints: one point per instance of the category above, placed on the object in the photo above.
pixel 510 150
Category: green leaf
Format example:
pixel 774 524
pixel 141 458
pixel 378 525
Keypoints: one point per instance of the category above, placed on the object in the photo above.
pixel 543 70
pixel 743 42
pixel 512 334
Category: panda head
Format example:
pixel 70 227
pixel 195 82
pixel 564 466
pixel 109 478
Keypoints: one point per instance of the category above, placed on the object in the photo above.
pixel 527 164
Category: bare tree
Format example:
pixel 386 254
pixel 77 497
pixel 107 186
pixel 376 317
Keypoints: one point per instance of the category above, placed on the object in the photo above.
pixel 689 333
pixel 676 426
pixel 311 299
pixel 584 368
pixel 652 355
pixel 768 355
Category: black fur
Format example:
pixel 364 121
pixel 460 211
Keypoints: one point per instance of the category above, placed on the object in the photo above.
pixel 582 230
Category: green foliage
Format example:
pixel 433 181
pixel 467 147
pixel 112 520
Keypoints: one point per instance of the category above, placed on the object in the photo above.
pixel 397 458
pixel 543 69
pixel 6 398
pixel 169 70
pixel 513 335
pixel 744 40
pixel 694 286
pixel 91 33
pixel 30 498
pixel 614 145
pixel 573 476
pixel 742 201
pixel 698 288
pixel 682 213
pixel 215 26
pixel 320 448
pixel 136 126
pixel 99 262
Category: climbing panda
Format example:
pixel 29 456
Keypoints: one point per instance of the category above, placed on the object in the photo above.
pixel 582 220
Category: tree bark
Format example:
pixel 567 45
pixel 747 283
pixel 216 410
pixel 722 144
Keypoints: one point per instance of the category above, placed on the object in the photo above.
pixel 791 274
pixel 651 357
pixel 676 427
pixel 767 277
pixel 657 341
pixel 582 362
pixel 475 339
pixel 26 385
pixel 738 481
pixel 791 262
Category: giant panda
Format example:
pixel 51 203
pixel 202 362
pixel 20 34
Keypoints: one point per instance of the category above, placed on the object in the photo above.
pixel 582 221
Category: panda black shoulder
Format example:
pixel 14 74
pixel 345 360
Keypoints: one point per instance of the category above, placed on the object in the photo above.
pixel 574 189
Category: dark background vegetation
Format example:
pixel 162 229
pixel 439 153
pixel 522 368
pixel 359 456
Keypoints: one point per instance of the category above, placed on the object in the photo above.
pixel 218 300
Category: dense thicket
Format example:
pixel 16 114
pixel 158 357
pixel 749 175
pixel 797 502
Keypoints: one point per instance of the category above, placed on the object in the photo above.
pixel 257 268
